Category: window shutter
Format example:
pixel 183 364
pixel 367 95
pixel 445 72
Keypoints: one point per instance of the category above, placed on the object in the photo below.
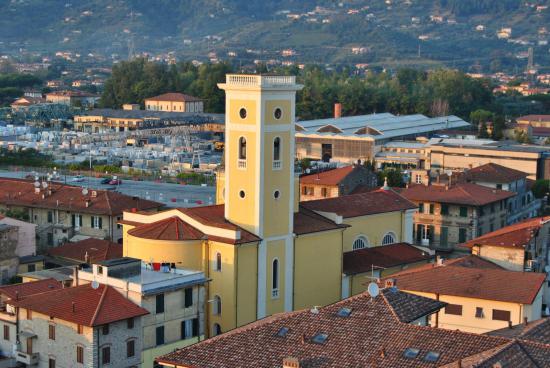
pixel 92 222
pixel 100 219
pixel 73 220
pixel 195 327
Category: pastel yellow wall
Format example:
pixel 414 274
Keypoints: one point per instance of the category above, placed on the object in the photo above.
pixel 220 187
pixel 468 321
pixel 275 249
pixel 318 269
pixel 247 283
pixel 374 227
pixel 271 105
pixel 223 284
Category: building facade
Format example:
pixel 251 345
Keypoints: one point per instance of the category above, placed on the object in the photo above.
pixel 174 102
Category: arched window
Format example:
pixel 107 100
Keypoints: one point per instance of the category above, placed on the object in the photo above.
pixel 389 238
pixel 277 149
pixel 242 148
pixel 217 305
pixel 275 277
pixel 218 261
pixel 360 242
pixel 216 329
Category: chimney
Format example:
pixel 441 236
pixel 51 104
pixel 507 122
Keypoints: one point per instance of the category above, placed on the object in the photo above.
pixel 303 340
pixel 86 258
pixel 382 353
pixel 87 203
pixel 16 295
pixel 337 110
pixel 525 321
pixel 290 362
pixel 73 307
pixel 438 261
pixel 509 324
pixel 75 276
pixel 389 283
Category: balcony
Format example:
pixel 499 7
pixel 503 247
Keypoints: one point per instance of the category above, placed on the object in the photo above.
pixel 274 293
pixel 277 165
pixel 241 164
pixel 28 359
pixel 260 80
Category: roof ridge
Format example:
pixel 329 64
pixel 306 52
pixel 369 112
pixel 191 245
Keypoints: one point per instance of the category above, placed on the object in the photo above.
pixel 99 305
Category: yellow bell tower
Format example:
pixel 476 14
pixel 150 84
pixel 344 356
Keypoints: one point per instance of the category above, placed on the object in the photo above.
pixel 259 176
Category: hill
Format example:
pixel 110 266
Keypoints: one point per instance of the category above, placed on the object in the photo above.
pixel 384 33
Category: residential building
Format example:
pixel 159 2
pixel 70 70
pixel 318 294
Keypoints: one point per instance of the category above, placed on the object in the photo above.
pixel 376 263
pixel 174 102
pixel 26 235
pixel 80 326
pixel 335 182
pixel 451 214
pixel 61 211
pixel 8 258
pixel 481 295
pixel 362 331
pixel 174 298
pixel 91 250
pixel 72 98
pixel 520 207
pixel 402 154
pixel 23 103
pixel 257 243
pixel 31 263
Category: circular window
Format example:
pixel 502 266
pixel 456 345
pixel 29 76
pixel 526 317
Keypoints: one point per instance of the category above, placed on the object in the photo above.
pixel 276 194
pixel 278 113
pixel 242 194
pixel 242 113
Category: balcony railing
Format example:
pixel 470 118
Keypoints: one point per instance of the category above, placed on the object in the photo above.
pixel 260 80
pixel 277 165
pixel 25 358
pixel 274 293
pixel 241 164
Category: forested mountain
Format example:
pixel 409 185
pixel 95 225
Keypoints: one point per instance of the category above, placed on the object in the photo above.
pixel 385 33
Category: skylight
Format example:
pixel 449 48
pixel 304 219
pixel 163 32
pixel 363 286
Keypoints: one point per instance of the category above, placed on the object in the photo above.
pixel 282 332
pixel 432 356
pixel 320 338
pixel 411 353
pixel 344 312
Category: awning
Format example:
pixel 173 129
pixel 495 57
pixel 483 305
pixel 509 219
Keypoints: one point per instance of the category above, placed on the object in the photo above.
pixel 27 334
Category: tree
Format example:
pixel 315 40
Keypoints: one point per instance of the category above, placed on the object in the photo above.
pixel 540 188
pixel 394 177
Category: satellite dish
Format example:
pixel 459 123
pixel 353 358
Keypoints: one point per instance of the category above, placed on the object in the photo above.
pixel 84 191
pixel 36 178
pixel 44 184
pixel 547 268
pixel 37 184
pixel 95 285
pixel 373 289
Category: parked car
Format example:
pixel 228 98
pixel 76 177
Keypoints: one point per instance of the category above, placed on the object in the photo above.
pixel 78 178
pixel 115 182
pixel 106 180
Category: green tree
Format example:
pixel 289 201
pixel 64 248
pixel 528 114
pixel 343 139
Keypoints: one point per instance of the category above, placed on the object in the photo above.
pixel 540 188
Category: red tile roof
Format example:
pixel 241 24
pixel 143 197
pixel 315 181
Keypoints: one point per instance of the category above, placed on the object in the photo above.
pixel 329 177
pixel 307 221
pixel 92 307
pixel 362 204
pixel 371 336
pixel 173 96
pixel 462 193
pixel 30 288
pixel 19 192
pixel 472 282
pixel 493 173
pixel 172 228
pixel 386 256
pixel 517 235
pixel 96 249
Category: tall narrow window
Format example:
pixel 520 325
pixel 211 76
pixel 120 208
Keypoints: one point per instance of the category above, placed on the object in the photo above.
pixel 277 149
pixel 218 261
pixel 275 279
pixel 217 329
pixel 80 354
pixel 217 305
pixel 242 148
pixel 106 355
pixel 389 238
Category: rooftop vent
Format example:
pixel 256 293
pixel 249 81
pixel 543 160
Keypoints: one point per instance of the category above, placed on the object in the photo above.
pixel 320 338
pixel 411 353
pixel 291 362
pixel 283 331
pixel 432 356
pixel 344 312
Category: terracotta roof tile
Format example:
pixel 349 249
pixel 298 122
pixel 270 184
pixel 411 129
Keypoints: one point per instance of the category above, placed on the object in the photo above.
pixel 517 235
pixel 173 96
pixel 472 282
pixel 462 193
pixel 307 221
pixel 172 228
pixel 362 204
pixel 92 307
pixel 96 249
pixel 69 198
pixel 410 307
pixel 493 173
pixel 362 260
pixel 30 288
pixel 329 177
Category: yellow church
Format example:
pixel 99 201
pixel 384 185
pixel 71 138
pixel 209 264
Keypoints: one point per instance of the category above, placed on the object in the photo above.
pixel 263 250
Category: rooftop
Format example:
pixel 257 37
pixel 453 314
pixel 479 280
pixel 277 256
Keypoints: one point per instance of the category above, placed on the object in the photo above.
pixel 468 194
pixel 88 250
pixel 25 289
pixel 174 97
pixel 363 260
pixel 190 117
pixel 534 118
pixel 328 177
pixel 493 173
pixel 517 235
pixel 83 305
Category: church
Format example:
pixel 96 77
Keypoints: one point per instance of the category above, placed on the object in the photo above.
pixel 264 251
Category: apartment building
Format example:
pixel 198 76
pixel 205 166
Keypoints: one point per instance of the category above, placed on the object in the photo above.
pixel 174 102
pixel 451 214
pixel 174 298
pixel 72 98
pixel 61 211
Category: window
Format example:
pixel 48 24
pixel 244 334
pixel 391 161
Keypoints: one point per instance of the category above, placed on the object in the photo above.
pixel 481 213
pixel 217 306
pixel 96 222
pixel 80 354
pixel 418 179
pixel 421 208
pixel 159 303
pixel 324 192
pixel 462 235
pixel 188 297
pixel 444 236
pixel 105 329
pixel 130 348
pixel 501 315
pixel 389 238
pixel 189 328
pixel 360 243
pixel 444 209
pixel 76 221
pixel 218 266
pixel 51 332
pixel 499 186
pixel 160 335
pixel 432 356
pixel 216 329
pixel 277 194
pixel 454 309
pixel 31 268
pixel 320 338
pixel 463 211
pixel 242 113
pixel 51 363
pixel 411 353
pixel 432 207
pixel 130 323
pixel 6 332
pixel 106 355
pixel 275 279
pixel 50 217
pixel 283 331
pixel 242 148
pixel 277 113
pixel 479 312
pixel 304 190
pixel 344 312
pixel 277 149
pixel 242 194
